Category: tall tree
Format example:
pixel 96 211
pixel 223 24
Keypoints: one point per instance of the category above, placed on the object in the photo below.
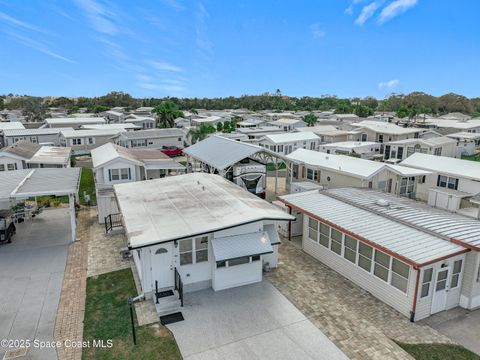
pixel 199 133
pixel 310 119
pixel 167 112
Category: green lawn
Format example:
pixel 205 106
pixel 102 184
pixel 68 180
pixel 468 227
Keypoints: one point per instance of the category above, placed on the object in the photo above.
pixel 107 316
pixel 87 183
pixel 475 157
pixel 438 352
pixel 271 166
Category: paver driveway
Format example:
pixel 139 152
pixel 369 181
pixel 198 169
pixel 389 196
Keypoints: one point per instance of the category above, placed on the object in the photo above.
pixel 31 274
pixel 358 323
pixel 248 323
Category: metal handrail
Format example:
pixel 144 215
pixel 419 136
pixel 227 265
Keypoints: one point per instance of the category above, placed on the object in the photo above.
pixel 179 285
pixel 113 221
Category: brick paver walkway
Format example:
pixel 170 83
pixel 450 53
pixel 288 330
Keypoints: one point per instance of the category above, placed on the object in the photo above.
pixel 359 324
pixel 71 308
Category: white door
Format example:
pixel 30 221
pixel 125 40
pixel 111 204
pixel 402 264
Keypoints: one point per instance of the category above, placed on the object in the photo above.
pixel 440 290
pixel 162 266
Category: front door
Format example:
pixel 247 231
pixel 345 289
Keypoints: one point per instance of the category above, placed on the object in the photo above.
pixel 440 290
pixel 162 266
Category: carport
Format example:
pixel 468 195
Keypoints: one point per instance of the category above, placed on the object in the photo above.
pixel 19 185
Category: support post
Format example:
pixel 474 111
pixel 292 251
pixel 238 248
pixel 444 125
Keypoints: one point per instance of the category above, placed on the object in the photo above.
pixel 130 303
pixel 276 175
pixel 73 220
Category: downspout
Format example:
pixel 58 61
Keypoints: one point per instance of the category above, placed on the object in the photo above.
pixel 289 224
pixel 414 306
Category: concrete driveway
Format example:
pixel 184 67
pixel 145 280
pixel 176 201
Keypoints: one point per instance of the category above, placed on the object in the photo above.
pixel 461 325
pixel 249 322
pixel 31 275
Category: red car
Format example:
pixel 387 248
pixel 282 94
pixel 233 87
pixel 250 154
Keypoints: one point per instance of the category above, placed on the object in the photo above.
pixel 172 151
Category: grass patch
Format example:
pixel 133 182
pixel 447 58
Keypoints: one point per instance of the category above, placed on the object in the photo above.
pixel 107 316
pixel 475 157
pixel 271 166
pixel 51 200
pixel 87 184
pixel 438 352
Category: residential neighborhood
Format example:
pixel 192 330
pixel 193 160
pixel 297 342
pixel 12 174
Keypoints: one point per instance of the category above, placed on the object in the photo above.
pixel 239 180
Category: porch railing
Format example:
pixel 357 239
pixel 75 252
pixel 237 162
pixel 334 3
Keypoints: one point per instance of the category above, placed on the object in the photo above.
pixel 113 221
pixel 179 285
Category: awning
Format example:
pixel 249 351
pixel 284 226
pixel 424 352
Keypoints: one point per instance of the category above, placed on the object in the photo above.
pixel 272 234
pixel 237 246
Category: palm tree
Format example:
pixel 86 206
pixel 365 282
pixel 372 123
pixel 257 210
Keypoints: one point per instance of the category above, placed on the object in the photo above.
pixel 194 111
pixel 200 132
pixel 167 112
pixel 310 119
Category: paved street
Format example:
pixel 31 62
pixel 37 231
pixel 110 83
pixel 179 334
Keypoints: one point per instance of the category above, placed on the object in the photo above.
pixel 248 323
pixel 31 274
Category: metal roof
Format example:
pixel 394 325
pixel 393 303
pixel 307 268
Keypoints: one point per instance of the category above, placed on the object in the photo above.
pixel 75 120
pixel 445 165
pixel 24 149
pixel 460 228
pixel 11 125
pixel 38 182
pixel 184 206
pixel 71 133
pixel 407 243
pixel 291 137
pixel 220 152
pixel 33 132
pixel 51 155
pixel 385 128
pixel 154 133
pixel 237 246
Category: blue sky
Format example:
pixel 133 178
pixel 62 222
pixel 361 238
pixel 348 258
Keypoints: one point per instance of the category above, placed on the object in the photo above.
pixel 214 48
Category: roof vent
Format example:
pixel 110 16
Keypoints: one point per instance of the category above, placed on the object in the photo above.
pixel 382 202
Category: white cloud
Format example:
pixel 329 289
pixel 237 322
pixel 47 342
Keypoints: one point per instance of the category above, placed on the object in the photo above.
pixel 395 8
pixel 164 66
pixel 317 31
pixel 388 84
pixel 10 20
pixel 367 12
pixel 101 18
pixel 174 4
pixel 349 10
pixel 203 42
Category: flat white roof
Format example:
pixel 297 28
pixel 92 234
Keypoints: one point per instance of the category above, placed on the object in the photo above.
pixel 410 244
pixel 51 155
pixel 339 163
pixel 90 133
pixel 220 152
pixel 351 144
pixel 184 206
pixel 445 165
pixel 123 126
pixel 75 120
pixel 385 128
pixel 33 132
pixel 291 137
pixel 454 124
pixel 464 135
pixel 435 141
pixel 11 125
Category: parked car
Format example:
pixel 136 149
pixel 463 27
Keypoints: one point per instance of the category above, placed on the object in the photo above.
pixel 172 151
pixel 7 227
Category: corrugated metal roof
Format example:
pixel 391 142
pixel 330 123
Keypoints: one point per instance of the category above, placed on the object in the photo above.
pixel 32 182
pixel 75 120
pixel 291 137
pixel 221 152
pixel 11 125
pixel 23 148
pixel 416 214
pixel 385 128
pixel 414 245
pixel 445 165
pixel 183 206
pixel 237 246
pixel 32 132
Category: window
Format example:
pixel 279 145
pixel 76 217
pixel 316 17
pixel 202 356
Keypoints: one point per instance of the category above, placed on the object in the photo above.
pixel 365 253
pixel 364 137
pixel 201 249
pixel 114 174
pixel 313 229
pixel 312 174
pixel 457 269
pixel 12 166
pixel 426 281
pixel 447 182
pixel 77 141
pixel 280 148
pixel 400 272
pixel 400 153
pixel 2 167
pixel 256 258
pixel 382 265
pixel 221 264
pixel 336 244
pixel 437 151
pixel 407 186
pixel 186 252
pixel 125 174
pixel 350 252
pixel 325 235
pixel 33 139
pixel 90 141
pixel 239 261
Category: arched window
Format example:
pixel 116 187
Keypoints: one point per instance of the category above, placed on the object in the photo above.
pixel 161 251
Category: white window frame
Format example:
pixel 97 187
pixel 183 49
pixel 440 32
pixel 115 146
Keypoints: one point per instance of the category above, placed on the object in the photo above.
pixel 194 250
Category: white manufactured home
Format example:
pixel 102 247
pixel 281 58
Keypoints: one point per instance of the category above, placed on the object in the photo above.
pixel 42 136
pixel 114 164
pixel 152 139
pixel 364 150
pixel 417 259
pixel 73 122
pixel 84 141
pixel 198 229
pixel 286 143
pixel 396 151
pixel 378 131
